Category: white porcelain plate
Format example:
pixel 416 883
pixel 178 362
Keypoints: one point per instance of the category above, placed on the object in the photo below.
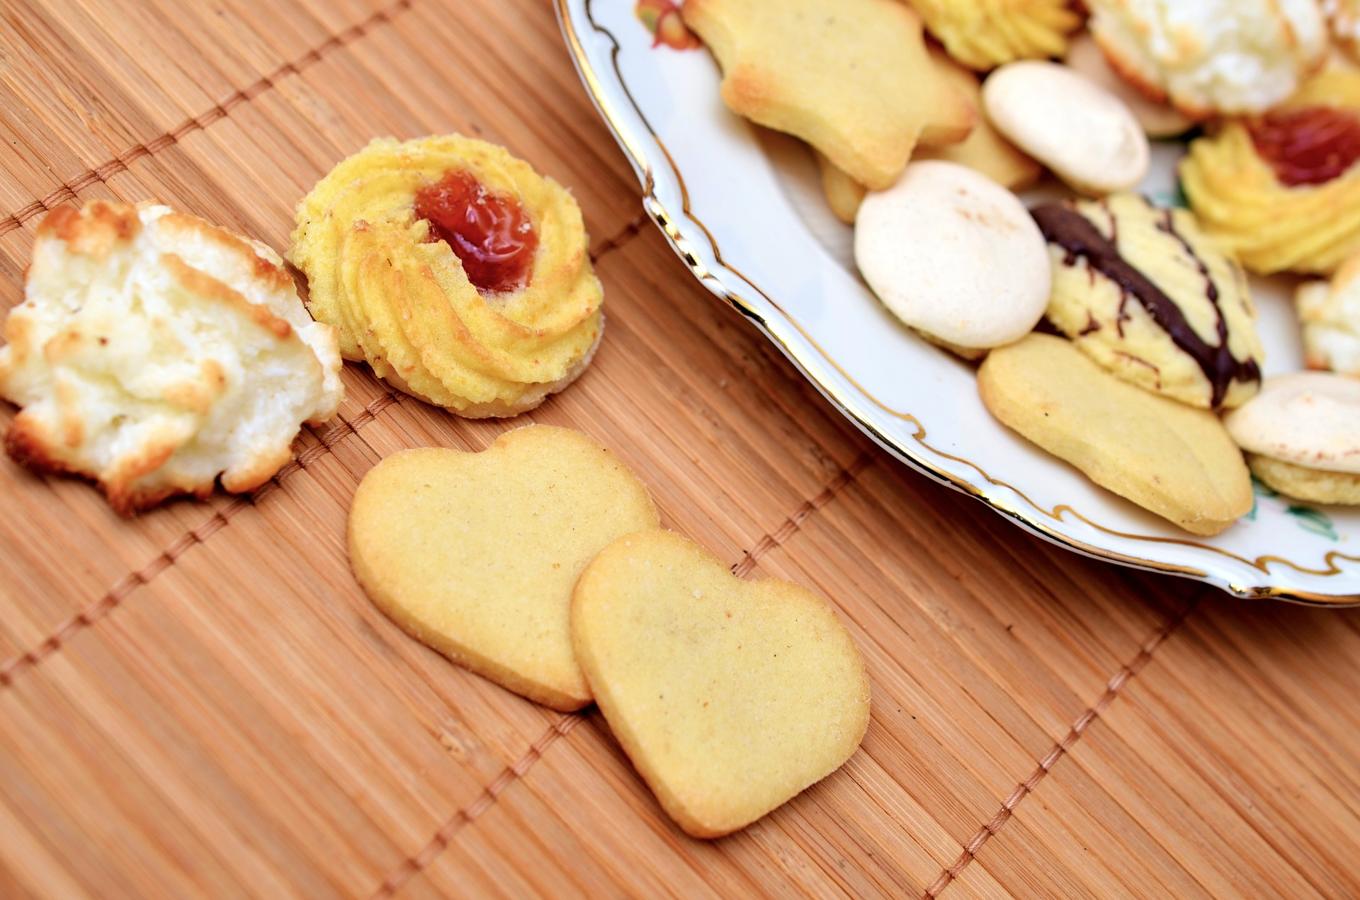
pixel 741 207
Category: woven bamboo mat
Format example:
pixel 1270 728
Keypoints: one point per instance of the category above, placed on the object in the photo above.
pixel 200 701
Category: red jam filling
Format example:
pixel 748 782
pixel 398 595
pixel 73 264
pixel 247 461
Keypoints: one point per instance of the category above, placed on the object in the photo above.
pixel 1308 146
pixel 489 232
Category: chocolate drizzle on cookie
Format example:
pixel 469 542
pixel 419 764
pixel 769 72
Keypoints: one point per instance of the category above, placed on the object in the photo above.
pixel 1064 227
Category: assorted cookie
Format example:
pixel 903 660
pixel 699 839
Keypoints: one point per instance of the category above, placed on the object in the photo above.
pixel 1302 436
pixel 955 255
pixel 1282 190
pixel 456 271
pixel 1147 295
pixel 1170 458
pixel 1157 298
pixel 476 554
pixel 1212 57
pixel 729 696
pixel 1072 125
pixel 539 564
pixel 157 355
pixel 852 78
pixel 1329 313
pixel 983 34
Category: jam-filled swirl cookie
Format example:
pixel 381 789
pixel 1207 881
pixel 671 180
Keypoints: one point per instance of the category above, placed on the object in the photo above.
pixel 459 273
pixel 1282 190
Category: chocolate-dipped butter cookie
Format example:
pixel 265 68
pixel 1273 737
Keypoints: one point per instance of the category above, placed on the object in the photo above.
pixel 1148 296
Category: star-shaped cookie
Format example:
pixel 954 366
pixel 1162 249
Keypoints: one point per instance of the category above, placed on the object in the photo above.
pixel 850 77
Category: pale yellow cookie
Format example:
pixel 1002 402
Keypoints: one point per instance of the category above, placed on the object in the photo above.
pixel 983 34
pixel 850 77
pixel 1175 460
pixel 476 554
pixel 729 696
pixel 1303 483
pixel 843 193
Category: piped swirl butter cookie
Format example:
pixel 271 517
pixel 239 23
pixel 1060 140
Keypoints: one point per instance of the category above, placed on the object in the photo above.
pixel 460 274
pixel 156 353
pixel 850 77
pixel 476 554
pixel 983 34
pixel 1282 190
pixel 1143 292
pixel 1302 434
pixel 1175 460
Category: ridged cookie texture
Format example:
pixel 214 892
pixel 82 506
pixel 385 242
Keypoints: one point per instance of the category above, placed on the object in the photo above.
pixel 983 34
pixel 1329 313
pixel 729 696
pixel 1174 460
pixel 402 300
pixel 1212 56
pixel 1146 294
pixel 850 77
pixel 476 554
pixel 1270 224
pixel 155 353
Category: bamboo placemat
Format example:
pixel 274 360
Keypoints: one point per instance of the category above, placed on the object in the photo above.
pixel 200 701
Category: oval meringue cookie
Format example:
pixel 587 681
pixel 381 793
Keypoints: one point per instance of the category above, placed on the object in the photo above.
pixel 955 255
pixel 1311 419
pixel 1077 128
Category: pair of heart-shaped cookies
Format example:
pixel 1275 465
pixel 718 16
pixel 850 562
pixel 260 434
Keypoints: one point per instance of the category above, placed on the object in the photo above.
pixel 539 564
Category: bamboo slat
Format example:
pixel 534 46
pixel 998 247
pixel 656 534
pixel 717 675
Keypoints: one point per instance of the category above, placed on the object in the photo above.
pixel 201 702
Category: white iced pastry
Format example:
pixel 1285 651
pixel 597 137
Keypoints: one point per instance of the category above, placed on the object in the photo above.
pixel 1330 315
pixel 955 255
pixel 155 353
pixel 1077 128
pixel 1212 56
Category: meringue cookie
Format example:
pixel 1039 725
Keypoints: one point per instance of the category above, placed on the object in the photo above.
pixel 1081 131
pixel 1212 56
pixel 157 354
pixel 1309 419
pixel 954 254
pixel 1330 315
pixel 1159 120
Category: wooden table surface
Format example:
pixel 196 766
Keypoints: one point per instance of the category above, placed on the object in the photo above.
pixel 200 701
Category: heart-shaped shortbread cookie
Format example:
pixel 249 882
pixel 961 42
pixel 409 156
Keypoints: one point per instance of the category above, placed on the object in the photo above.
pixel 729 696
pixel 476 553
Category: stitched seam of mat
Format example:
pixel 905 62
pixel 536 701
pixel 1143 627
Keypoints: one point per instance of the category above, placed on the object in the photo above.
pixel 1057 752
pixel 776 538
pixel 106 170
pixel 129 583
pixel 414 864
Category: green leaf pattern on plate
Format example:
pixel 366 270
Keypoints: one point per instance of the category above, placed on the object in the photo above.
pixel 1309 519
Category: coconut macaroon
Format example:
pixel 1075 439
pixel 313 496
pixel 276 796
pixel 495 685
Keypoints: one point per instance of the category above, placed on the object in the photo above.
pixel 459 274
pixel 155 353
pixel 1214 56
pixel 1302 436
pixel 1330 315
